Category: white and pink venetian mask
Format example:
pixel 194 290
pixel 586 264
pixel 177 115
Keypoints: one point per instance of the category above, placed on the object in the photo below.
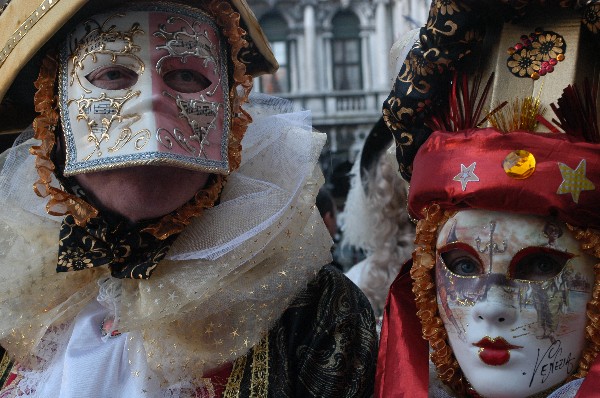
pixel 142 86
pixel 512 293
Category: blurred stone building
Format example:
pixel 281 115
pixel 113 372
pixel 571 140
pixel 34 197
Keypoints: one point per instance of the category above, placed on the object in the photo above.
pixel 333 57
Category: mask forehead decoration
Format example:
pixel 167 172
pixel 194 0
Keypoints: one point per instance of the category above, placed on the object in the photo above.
pixel 145 86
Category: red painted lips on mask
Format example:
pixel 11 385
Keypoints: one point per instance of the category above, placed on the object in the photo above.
pixel 495 351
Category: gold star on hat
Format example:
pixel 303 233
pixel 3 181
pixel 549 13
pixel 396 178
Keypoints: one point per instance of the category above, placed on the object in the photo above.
pixel 574 181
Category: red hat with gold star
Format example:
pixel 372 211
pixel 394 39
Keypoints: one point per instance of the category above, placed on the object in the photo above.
pixel 526 140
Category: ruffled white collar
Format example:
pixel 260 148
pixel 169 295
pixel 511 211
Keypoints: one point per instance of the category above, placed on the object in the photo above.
pixel 225 282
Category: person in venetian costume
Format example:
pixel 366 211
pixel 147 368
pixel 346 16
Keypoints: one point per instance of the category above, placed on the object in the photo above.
pixel 178 211
pixel 375 218
pixel 501 296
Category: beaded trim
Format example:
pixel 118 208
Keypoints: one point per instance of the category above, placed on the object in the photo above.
pixel 6 365
pixel 3 6
pixel 259 383
pixel 235 378
pixel 24 28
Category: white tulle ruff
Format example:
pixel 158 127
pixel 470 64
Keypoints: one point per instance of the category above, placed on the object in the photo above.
pixel 225 282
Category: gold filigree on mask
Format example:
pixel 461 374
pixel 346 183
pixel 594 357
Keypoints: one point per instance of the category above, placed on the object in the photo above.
pixel 200 115
pixel 98 133
pixel 63 203
pixel 94 43
pixel 126 135
pixel 182 44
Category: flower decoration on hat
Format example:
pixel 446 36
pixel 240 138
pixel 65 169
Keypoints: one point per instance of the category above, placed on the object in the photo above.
pixel 536 54
pixel 591 18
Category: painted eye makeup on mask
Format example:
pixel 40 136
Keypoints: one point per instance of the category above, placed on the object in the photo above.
pixel 461 260
pixel 538 264
pixel 113 77
pixel 534 264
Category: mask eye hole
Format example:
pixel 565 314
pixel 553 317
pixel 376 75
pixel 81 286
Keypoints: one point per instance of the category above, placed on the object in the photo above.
pixel 113 77
pixel 186 80
pixel 461 260
pixel 538 264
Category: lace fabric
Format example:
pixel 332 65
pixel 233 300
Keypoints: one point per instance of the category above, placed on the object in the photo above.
pixel 225 281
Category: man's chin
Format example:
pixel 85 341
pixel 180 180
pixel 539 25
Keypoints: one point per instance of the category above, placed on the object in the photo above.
pixel 144 192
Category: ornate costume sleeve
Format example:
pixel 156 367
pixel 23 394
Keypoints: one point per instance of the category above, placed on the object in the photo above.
pixel 325 345
pixel 6 365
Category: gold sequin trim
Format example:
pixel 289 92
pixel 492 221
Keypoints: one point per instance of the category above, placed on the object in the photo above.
pixel 232 390
pixel 589 241
pixel 424 290
pixel 44 125
pixel 25 27
pixel 259 383
pixel 5 368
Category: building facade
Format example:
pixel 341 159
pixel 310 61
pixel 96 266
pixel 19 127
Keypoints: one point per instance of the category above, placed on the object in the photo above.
pixel 333 57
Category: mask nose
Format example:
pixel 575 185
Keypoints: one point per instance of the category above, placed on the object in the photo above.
pixel 498 308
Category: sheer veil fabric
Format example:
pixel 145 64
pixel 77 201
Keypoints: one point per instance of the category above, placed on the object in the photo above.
pixel 224 283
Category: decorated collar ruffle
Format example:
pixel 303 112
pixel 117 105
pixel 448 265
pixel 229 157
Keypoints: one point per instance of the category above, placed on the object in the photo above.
pixel 126 251
pixel 225 281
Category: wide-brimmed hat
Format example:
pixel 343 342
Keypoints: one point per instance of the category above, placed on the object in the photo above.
pixel 27 25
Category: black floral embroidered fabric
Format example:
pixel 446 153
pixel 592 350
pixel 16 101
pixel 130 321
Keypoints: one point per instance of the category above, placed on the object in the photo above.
pixel 324 345
pixel 453 31
pixel 116 244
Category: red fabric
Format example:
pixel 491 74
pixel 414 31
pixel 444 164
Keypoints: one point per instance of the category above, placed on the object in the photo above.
pixel 403 361
pixel 9 380
pixel 441 156
pixel 219 378
pixel 591 385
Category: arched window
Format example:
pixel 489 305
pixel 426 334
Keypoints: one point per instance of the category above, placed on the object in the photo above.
pixel 347 71
pixel 276 30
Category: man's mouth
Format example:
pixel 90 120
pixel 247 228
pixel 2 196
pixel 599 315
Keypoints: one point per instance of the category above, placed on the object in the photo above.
pixel 494 351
